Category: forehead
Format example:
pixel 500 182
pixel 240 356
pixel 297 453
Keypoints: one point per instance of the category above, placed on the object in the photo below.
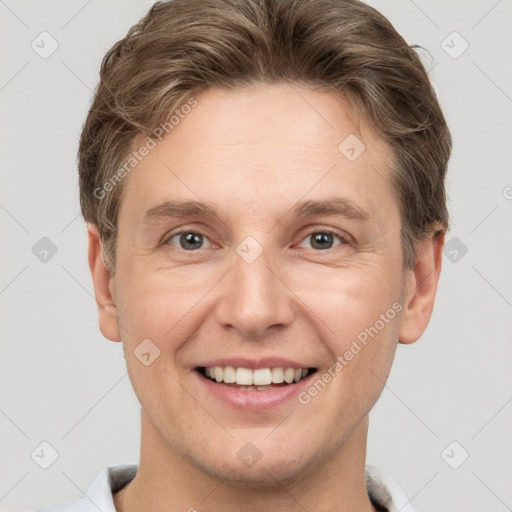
pixel 256 149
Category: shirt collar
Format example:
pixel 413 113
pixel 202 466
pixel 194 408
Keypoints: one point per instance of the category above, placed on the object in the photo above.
pixel 384 492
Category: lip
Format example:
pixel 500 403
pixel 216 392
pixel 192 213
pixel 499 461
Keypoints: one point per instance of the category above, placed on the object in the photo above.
pixel 253 364
pixel 254 401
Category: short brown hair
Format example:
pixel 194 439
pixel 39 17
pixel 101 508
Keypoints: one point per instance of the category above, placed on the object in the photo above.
pixel 182 47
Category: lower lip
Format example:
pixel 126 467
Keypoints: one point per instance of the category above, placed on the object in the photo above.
pixel 254 400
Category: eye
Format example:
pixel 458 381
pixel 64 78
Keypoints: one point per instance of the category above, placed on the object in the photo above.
pixel 193 241
pixel 187 240
pixel 322 240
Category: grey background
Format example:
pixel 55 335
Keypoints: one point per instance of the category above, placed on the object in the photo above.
pixel 62 383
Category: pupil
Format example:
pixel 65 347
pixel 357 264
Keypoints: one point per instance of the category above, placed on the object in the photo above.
pixel 191 241
pixel 322 238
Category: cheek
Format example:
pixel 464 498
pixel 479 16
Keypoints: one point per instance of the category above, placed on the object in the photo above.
pixel 156 321
pixel 347 301
pixel 159 304
pixel 357 311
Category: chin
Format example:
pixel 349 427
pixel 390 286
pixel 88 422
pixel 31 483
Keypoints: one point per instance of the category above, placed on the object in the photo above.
pixel 274 468
pixel 263 474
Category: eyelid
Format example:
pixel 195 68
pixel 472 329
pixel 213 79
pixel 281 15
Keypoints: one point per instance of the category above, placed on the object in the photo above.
pixel 179 230
pixel 171 234
pixel 344 238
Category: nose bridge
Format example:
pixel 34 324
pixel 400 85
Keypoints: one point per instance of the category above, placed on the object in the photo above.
pixel 254 298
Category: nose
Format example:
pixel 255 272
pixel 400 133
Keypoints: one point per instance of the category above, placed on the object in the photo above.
pixel 255 298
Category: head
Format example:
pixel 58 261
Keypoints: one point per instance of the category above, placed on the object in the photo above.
pixel 263 183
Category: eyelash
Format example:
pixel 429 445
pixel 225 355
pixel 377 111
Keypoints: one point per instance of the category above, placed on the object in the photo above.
pixel 341 238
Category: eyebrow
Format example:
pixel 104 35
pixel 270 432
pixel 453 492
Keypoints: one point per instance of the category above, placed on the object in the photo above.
pixel 338 206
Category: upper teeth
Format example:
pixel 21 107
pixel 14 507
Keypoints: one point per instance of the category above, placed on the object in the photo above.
pixel 259 377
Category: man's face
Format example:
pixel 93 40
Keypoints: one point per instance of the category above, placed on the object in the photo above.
pixel 259 285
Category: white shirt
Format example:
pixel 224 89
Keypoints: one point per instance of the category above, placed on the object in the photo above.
pixel 382 489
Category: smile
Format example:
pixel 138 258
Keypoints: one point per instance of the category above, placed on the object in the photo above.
pixel 260 379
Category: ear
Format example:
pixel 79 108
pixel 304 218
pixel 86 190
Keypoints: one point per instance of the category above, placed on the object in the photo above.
pixel 103 286
pixel 420 289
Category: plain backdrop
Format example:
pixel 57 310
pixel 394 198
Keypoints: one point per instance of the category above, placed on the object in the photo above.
pixel 442 425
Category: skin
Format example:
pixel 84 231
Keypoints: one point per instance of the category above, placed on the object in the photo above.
pixel 254 154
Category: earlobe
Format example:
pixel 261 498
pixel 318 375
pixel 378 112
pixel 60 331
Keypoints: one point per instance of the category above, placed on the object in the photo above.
pixel 103 282
pixel 420 289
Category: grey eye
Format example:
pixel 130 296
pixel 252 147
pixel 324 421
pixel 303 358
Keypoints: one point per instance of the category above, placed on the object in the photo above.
pixel 189 240
pixel 321 240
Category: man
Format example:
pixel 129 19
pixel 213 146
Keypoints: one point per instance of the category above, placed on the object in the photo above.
pixel 263 182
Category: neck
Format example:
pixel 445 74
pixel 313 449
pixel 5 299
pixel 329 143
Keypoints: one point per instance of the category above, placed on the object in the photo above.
pixel 167 480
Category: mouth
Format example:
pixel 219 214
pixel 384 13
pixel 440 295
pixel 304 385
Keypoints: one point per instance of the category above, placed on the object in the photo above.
pixel 259 379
